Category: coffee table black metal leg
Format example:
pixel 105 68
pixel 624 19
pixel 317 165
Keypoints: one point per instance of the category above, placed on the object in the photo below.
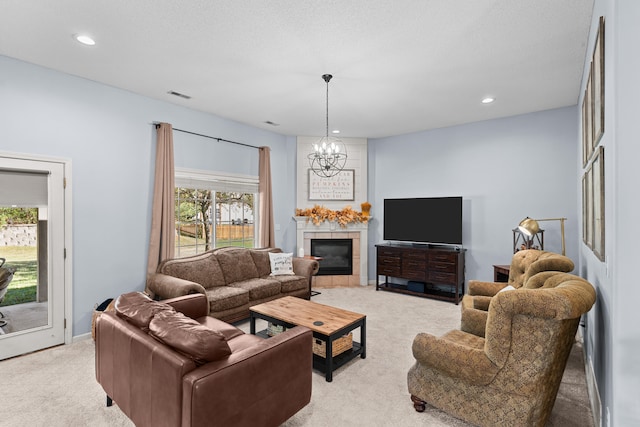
pixel 363 338
pixel 252 324
pixel 329 358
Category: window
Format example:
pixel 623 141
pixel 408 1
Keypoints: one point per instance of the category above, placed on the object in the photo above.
pixel 214 210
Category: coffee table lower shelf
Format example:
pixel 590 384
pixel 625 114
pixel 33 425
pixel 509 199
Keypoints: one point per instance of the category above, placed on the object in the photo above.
pixel 320 363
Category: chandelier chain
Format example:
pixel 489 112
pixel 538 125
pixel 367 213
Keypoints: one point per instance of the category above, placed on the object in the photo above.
pixel 327 109
pixel 329 155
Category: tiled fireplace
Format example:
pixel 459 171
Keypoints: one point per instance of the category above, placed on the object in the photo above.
pixel 305 231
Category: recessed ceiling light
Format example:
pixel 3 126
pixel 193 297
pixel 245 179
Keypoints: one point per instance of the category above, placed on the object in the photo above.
pixel 488 100
pixel 335 131
pixel 84 39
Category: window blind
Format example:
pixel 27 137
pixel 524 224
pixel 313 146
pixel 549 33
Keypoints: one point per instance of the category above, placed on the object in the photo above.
pixel 206 180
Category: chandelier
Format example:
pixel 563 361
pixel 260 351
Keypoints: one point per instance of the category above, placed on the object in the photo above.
pixel 329 155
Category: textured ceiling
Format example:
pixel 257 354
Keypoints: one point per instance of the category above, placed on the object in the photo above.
pixel 399 66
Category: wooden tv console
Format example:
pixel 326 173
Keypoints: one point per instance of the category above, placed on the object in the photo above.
pixel 439 271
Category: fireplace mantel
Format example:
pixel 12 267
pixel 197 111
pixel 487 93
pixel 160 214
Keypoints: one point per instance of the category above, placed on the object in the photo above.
pixel 305 225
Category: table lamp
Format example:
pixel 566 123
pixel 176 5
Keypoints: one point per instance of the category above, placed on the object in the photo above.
pixel 530 226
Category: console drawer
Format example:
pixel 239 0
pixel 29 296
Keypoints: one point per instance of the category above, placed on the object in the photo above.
pixel 389 261
pixel 409 264
pixel 440 277
pixel 389 270
pixel 442 268
pixel 443 257
pixel 388 265
pixel 418 256
pixel 419 275
pixel 389 252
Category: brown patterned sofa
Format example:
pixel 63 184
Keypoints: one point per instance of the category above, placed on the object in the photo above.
pixel 233 279
pixel 170 364
pixel 524 265
pixel 510 377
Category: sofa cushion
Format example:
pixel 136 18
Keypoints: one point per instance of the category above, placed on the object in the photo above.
pixel 138 309
pixel 259 288
pixel 237 265
pixel 261 259
pixel 228 331
pixel 281 264
pixel 203 269
pixel 226 297
pixel 189 337
pixel 291 283
pixel 243 342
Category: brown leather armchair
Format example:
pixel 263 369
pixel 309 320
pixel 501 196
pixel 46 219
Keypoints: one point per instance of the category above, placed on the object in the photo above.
pixel 511 377
pixel 169 364
pixel 524 265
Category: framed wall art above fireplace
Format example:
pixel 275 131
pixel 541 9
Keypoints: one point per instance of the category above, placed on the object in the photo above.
pixel 338 187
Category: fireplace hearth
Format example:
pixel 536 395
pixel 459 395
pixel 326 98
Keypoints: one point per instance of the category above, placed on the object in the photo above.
pixel 336 254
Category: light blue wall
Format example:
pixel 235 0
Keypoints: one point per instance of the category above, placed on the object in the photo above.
pixel 624 170
pixel 504 169
pixel 107 134
pixel 612 341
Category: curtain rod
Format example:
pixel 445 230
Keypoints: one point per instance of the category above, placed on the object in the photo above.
pixel 210 137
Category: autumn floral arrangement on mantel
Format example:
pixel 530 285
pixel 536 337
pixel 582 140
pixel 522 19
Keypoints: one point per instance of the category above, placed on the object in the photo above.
pixel 318 214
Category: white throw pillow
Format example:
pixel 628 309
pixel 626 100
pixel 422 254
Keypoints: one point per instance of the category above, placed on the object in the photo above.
pixel 507 288
pixel 281 264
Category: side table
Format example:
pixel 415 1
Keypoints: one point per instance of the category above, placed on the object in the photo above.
pixel 501 273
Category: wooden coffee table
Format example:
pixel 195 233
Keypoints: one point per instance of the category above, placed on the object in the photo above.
pixel 327 323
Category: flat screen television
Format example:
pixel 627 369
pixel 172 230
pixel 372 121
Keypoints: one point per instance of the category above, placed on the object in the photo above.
pixel 435 220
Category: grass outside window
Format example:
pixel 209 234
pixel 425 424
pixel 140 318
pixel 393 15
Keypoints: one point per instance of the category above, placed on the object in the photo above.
pixel 23 287
pixel 190 246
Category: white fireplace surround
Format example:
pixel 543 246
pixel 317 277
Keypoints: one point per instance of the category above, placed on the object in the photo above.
pixel 303 226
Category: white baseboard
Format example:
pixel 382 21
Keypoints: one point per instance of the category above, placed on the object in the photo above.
pixel 594 394
pixel 81 337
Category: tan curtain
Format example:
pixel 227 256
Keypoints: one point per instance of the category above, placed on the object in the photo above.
pixel 267 238
pixel 162 240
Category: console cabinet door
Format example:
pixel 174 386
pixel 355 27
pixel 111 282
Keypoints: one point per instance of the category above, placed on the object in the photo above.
pixel 414 266
pixel 388 262
pixel 442 267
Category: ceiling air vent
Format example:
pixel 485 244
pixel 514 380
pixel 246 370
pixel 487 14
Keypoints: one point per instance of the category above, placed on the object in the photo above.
pixel 181 95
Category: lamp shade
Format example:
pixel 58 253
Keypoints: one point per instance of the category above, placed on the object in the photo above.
pixel 529 226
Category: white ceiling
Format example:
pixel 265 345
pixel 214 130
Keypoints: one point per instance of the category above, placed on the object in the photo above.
pixel 399 66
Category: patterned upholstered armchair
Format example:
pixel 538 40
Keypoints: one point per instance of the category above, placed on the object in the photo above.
pixel 524 265
pixel 510 377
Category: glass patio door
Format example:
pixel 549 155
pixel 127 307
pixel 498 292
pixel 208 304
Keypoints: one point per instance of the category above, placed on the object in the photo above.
pixel 32 270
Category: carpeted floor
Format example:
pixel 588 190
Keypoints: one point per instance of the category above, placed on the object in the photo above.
pixel 57 387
